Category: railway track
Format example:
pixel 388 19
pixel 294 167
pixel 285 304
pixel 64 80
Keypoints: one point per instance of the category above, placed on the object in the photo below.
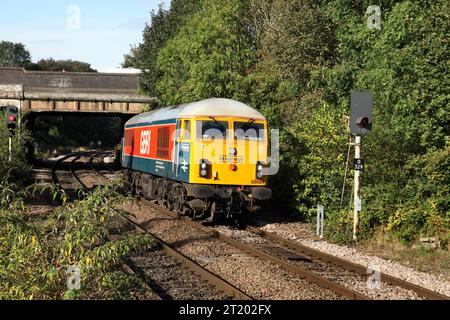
pixel 221 288
pixel 310 264
pixel 313 265
pixel 193 265
pixel 262 255
pixel 316 255
pixel 56 166
pixel 273 258
pixel 69 164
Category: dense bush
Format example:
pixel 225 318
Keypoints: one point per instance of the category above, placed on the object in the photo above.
pixel 36 251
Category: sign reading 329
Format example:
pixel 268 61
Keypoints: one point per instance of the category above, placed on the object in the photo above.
pixel 145 142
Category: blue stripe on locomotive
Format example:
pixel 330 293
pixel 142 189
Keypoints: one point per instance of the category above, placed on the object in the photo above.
pixel 154 123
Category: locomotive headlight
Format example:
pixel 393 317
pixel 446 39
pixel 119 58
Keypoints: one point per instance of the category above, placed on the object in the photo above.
pixel 259 169
pixel 205 169
pixel 233 152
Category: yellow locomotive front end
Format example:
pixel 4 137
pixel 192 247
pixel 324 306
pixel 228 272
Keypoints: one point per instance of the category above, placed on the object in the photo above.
pixel 228 151
pixel 228 162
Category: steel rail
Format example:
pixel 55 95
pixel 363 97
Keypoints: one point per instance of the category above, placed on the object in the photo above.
pixel 91 155
pixel 207 275
pixel 96 171
pixel 359 269
pixel 301 272
pixel 74 175
pixel 55 180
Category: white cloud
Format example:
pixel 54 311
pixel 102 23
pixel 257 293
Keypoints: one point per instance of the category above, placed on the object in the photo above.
pixel 120 70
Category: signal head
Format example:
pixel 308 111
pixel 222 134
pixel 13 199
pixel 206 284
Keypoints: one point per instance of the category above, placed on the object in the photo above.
pixel 363 122
pixel 11 117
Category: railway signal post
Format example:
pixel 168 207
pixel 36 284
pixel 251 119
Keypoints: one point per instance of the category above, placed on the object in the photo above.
pixel 360 125
pixel 11 124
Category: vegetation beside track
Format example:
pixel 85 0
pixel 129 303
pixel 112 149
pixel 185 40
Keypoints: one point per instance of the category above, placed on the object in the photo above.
pixel 18 171
pixel 298 61
pixel 36 251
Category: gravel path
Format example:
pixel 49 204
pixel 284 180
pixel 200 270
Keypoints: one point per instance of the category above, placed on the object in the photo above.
pixel 302 233
pixel 259 279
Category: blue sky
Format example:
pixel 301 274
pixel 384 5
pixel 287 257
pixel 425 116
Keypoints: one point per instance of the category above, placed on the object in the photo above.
pixel 51 28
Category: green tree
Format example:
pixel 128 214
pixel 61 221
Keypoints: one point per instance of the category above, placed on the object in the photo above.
pixel 404 65
pixel 131 59
pixel 14 55
pixel 293 39
pixel 61 65
pixel 209 57
pixel 164 25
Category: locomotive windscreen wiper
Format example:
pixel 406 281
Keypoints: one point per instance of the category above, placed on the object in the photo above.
pixel 212 118
pixel 249 122
pixel 215 120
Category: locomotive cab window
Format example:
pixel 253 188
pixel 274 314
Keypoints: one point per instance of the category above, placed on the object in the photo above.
pixel 249 131
pixel 184 129
pixel 211 130
pixel 187 129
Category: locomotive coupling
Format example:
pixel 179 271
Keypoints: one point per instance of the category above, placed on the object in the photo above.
pixel 197 205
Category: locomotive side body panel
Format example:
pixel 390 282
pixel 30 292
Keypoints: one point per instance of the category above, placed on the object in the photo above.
pixel 150 148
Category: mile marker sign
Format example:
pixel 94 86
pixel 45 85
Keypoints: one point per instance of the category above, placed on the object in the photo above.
pixel 358 164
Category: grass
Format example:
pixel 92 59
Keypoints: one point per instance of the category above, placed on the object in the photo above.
pixel 417 256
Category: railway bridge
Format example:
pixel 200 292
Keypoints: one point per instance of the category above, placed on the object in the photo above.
pixel 90 99
pixel 71 92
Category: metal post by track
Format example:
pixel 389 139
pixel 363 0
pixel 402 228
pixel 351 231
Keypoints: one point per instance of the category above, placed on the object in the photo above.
pixel 357 195
pixel 9 149
pixel 360 125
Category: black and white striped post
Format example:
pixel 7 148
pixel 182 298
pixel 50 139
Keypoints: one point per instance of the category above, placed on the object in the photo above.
pixel 357 195
pixel 360 125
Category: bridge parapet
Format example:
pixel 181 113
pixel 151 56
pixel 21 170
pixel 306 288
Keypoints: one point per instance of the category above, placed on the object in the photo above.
pixel 71 92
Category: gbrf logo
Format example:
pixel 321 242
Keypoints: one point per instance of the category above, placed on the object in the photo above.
pixel 145 142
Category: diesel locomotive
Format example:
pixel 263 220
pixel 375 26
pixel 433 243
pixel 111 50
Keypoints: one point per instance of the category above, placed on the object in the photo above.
pixel 204 159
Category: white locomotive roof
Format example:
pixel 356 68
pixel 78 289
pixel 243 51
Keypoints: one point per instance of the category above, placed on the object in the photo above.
pixel 215 107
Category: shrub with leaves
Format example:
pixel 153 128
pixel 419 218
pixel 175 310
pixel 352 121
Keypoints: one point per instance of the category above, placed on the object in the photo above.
pixel 36 252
